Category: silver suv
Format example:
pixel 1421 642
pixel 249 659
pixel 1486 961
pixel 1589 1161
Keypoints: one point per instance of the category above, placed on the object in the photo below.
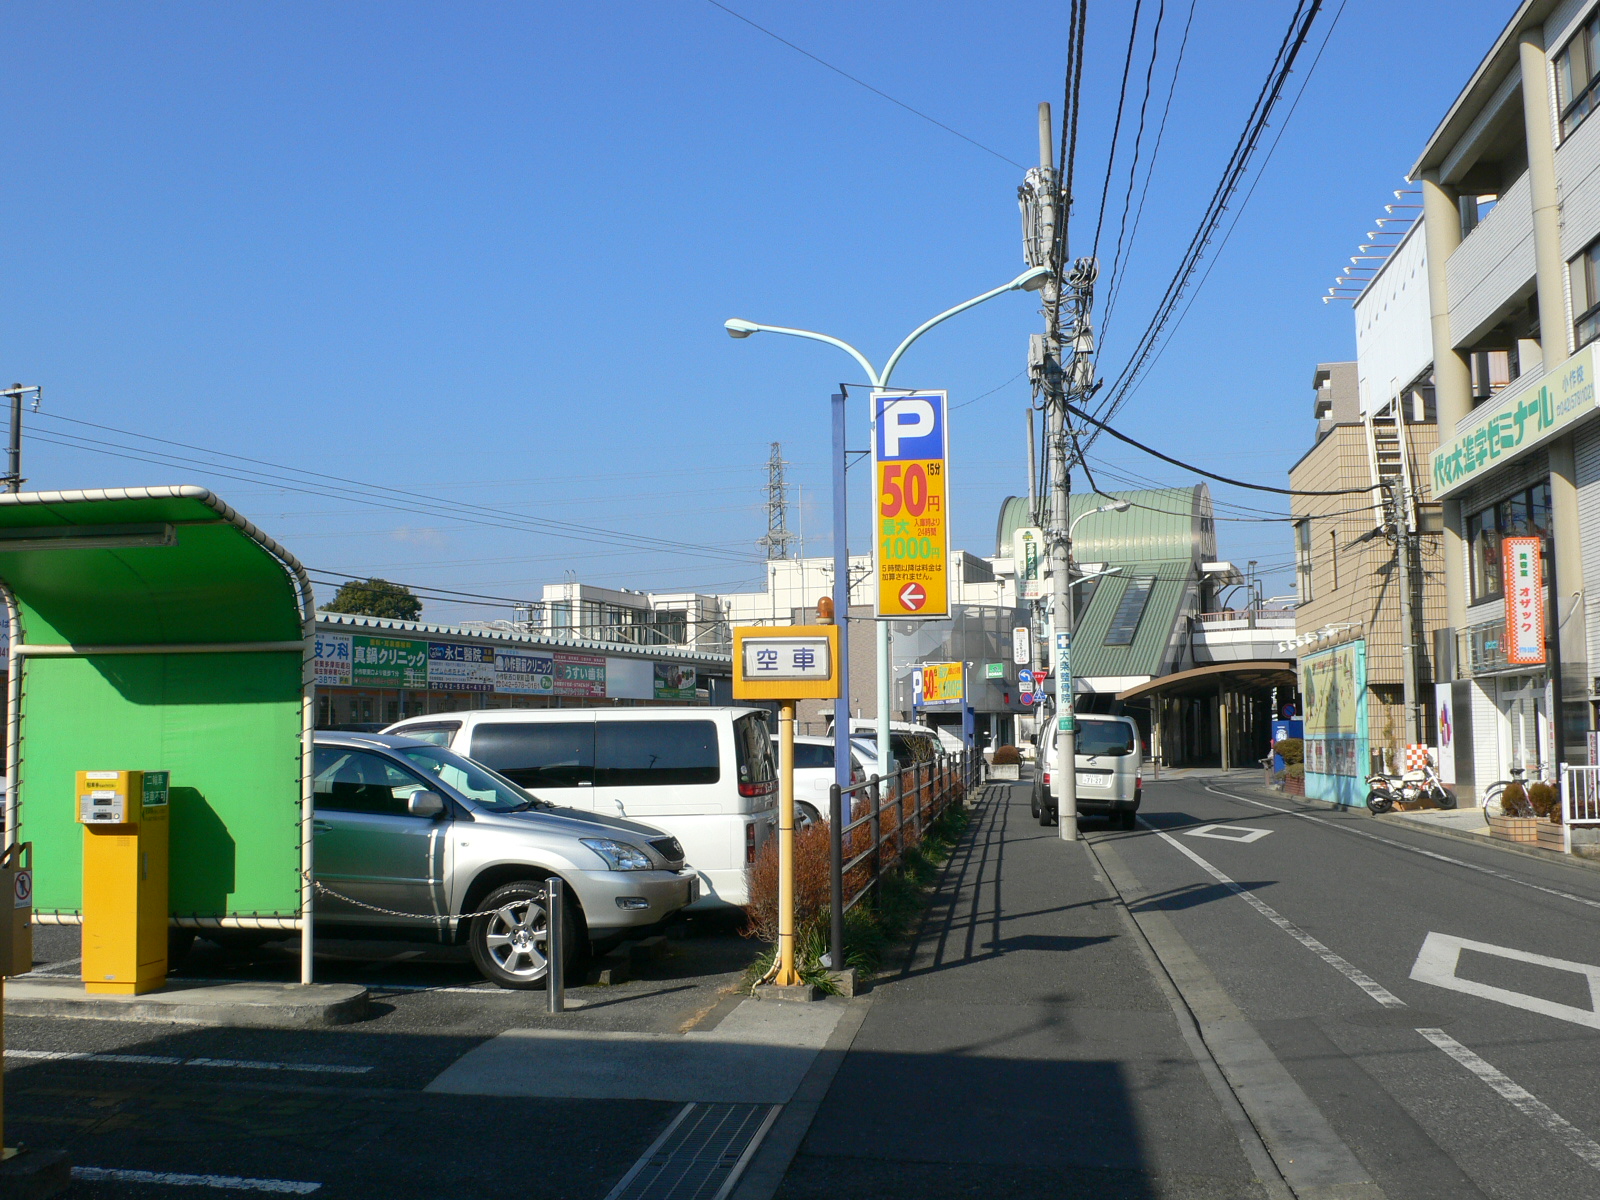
pixel 411 836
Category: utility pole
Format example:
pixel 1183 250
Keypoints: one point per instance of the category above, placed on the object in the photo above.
pixel 1398 511
pixel 16 391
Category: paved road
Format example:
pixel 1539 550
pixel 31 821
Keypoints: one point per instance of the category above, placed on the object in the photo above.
pixel 1434 1000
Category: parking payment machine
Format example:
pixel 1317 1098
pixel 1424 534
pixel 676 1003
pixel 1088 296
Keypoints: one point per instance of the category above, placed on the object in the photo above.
pixel 125 846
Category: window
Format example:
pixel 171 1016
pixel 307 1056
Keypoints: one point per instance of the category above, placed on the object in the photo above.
pixel 655 753
pixel 1577 73
pixel 358 782
pixel 752 751
pixel 1526 514
pixel 492 791
pixel 1125 621
pixel 1585 276
pixel 437 735
pixel 1302 559
pixel 807 755
pixel 1110 738
pixel 539 754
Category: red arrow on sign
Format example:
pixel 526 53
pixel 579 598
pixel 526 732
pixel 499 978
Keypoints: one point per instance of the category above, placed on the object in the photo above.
pixel 913 597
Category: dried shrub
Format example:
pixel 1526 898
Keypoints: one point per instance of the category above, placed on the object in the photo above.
pixel 1007 756
pixel 1291 750
pixel 811 884
pixel 1544 800
pixel 1295 770
pixel 1514 801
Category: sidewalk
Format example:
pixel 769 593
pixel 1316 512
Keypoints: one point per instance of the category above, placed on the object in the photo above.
pixel 1022 1049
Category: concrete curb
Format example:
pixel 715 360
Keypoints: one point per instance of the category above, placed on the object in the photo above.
pixel 244 1005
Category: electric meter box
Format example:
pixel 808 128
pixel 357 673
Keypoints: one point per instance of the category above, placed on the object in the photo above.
pixel 125 895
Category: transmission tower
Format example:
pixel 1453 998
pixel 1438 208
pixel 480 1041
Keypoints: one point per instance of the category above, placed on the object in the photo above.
pixel 778 538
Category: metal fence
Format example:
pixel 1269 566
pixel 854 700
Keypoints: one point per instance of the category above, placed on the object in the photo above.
pixel 888 817
pixel 1580 800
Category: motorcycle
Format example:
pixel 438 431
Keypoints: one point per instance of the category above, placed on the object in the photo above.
pixel 1385 793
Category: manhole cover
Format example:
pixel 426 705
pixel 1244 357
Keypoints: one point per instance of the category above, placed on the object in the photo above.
pixel 1397 1018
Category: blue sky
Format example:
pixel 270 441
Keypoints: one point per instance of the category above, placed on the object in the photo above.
pixel 483 252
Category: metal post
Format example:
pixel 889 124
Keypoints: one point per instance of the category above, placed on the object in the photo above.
pixel 841 596
pixel 555 985
pixel 1395 504
pixel 836 879
pixel 787 975
pixel 16 438
pixel 1552 655
pixel 877 823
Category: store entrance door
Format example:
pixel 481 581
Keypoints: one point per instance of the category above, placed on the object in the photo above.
pixel 1524 723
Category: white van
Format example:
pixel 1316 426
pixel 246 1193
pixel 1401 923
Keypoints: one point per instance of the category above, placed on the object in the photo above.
pixel 1110 770
pixel 707 776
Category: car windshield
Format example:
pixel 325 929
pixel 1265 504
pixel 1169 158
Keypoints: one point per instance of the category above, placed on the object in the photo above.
pixel 473 780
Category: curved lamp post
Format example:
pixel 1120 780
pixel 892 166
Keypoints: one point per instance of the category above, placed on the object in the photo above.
pixel 1030 280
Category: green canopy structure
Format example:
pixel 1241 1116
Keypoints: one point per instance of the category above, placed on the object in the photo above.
pixel 156 629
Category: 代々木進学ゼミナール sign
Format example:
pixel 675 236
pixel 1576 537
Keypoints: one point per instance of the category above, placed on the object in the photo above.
pixel 910 464
pixel 1524 576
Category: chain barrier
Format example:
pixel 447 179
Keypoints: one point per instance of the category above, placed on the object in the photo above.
pixel 542 895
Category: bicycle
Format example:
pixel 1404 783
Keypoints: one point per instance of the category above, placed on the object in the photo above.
pixel 1492 793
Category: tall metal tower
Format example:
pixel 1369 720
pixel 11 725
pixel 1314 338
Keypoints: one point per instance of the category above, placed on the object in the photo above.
pixel 778 539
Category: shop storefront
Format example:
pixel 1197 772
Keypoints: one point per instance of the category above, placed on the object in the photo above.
pixel 372 671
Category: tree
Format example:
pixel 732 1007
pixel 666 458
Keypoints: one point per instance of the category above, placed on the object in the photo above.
pixel 375 598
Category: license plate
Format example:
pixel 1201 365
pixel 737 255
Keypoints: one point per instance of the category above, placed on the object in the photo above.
pixel 694 889
pixel 1097 778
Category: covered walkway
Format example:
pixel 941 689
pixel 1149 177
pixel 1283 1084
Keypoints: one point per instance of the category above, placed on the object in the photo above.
pixel 1218 714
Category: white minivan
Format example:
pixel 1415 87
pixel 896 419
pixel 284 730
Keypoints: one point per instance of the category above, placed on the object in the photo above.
pixel 707 776
pixel 1110 770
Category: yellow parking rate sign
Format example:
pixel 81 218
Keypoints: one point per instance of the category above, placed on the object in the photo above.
pixel 910 472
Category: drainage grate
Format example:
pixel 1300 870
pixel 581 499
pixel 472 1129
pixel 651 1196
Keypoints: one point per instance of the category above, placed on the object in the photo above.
pixel 701 1155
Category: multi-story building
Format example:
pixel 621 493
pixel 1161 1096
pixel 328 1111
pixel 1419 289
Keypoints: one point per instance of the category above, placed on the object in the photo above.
pixel 1509 249
pixel 1374 431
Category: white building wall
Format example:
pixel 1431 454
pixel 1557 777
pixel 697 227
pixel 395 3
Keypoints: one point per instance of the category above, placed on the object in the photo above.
pixel 1394 333
pixel 1491 264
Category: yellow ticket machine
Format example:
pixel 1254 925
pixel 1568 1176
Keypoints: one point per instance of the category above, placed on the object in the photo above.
pixel 125 827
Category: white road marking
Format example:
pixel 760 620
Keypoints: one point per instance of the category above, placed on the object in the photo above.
pixel 173 1179
pixel 1228 833
pixel 1437 960
pixel 1346 968
pixel 1433 854
pixel 1524 1101
pixel 162 1060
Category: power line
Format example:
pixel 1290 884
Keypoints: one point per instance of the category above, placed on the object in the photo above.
pixel 991 391
pixel 865 84
pixel 1178 462
pixel 1116 125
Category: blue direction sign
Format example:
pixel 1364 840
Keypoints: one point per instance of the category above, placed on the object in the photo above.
pixel 1025 680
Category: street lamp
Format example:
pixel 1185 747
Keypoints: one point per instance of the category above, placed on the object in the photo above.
pixel 1030 280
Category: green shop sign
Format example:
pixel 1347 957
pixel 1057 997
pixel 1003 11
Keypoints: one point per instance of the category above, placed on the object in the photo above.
pixel 1517 423
pixel 388 662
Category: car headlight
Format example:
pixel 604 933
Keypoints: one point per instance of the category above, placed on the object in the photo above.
pixel 620 856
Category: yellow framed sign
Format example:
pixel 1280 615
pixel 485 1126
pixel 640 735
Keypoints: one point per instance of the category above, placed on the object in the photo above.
pixel 910 479
pixel 786 662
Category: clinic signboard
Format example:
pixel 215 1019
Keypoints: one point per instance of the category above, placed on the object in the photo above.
pixel 523 674
pixel 1524 579
pixel 1333 684
pixel 579 675
pixel 333 659
pixel 911 513
pixel 1516 423
pixel 388 662
pixel 460 667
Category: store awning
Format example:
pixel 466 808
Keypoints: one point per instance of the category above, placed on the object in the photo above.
pixel 1242 677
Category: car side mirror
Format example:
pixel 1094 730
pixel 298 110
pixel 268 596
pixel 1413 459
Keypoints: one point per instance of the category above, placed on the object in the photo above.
pixel 425 804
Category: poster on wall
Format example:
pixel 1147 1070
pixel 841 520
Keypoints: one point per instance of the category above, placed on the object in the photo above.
pixel 1444 705
pixel 388 662
pixel 580 675
pixel 674 681
pixel 1333 684
pixel 460 667
pixel 333 659
pixel 523 674
pixel 1524 576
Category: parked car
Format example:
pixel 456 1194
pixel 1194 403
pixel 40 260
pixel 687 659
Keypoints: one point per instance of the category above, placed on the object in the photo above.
pixel 410 837
pixel 707 776
pixel 908 743
pixel 814 775
pixel 1110 763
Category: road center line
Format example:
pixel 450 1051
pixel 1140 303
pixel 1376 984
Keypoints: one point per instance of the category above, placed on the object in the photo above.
pixel 1346 968
pixel 289 1187
pixel 1434 854
pixel 163 1060
pixel 1524 1101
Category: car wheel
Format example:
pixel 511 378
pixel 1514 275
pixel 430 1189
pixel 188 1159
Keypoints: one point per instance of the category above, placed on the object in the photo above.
pixel 1128 819
pixel 1033 804
pixel 509 943
pixel 805 817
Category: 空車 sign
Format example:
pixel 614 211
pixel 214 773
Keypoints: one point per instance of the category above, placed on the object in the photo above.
pixel 909 472
pixel 1524 576
pixel 786 662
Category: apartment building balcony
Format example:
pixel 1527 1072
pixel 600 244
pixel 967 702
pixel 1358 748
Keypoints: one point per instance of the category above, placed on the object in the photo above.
pixel 1240 635
pixel 1492 271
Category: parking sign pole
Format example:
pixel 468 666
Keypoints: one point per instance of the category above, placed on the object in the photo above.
pixel 787 975
pixel 841 594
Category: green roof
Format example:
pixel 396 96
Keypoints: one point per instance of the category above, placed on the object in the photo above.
pixel 1148 652
pixel 1161 524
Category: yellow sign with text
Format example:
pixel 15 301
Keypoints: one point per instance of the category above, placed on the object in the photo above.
pixel 910 462
pixel 942 683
